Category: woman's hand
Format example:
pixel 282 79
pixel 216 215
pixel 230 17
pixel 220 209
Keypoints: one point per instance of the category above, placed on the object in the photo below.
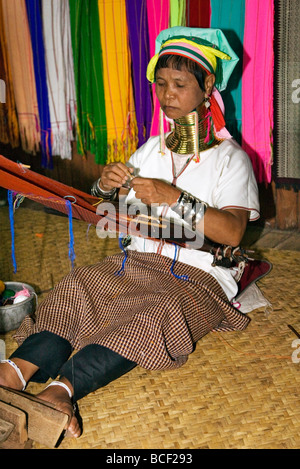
pixel 114 175
pixel 154 191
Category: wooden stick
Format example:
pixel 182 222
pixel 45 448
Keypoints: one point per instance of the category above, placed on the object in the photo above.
pixel 294 330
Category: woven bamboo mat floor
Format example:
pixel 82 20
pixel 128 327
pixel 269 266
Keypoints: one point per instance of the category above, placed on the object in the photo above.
pixel 237 390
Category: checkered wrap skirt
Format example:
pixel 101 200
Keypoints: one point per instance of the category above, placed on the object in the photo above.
pixel 145 314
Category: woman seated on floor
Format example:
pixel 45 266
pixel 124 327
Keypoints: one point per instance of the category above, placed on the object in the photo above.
pixel 152 310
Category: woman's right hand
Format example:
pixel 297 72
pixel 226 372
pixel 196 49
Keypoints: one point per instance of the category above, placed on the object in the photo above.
pixel 114 175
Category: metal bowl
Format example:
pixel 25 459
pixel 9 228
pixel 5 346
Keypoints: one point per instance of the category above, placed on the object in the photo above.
pixel 11 316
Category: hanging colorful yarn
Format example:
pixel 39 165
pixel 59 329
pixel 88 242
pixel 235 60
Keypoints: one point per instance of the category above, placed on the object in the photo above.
pixel 180 277
pixel 12 228
pixel 139 46
pixel 115 117
pixel 123 247
pixel 71 235
pixel 9 126
pixel 118 87
pixel 36 32
pixel 20 56
pixel 91 132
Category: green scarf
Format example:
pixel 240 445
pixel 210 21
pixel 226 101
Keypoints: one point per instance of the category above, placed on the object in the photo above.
pixel 88 70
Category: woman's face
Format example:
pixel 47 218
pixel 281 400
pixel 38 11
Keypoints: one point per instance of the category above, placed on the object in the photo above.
pixel 178 92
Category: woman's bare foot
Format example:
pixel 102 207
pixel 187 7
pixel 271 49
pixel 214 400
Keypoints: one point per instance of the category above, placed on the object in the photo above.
pixel 59 397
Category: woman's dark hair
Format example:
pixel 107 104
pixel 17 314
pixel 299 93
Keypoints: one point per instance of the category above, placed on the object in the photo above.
pixel 178 62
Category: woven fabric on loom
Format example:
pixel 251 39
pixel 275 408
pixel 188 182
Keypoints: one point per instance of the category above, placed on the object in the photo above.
pixel 287 93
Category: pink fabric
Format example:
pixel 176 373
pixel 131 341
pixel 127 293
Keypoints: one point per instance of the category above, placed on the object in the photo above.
pixel 158 19
pixel 257 86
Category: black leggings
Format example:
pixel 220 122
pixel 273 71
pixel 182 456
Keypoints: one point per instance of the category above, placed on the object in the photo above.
pixel 91 368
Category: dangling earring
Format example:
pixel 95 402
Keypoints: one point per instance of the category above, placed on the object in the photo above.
pixel 196 137
pixel 161 132
pixel 209 135
pixel 207 102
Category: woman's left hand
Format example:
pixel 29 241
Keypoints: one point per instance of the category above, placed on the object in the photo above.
pixel 154 191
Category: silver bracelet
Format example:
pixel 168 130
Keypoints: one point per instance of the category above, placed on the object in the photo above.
pixel 96 191
pixel 190 208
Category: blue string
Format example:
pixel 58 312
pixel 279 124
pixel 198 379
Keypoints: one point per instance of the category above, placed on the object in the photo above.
pixel 71 235
pixel 12 228
pixel 121 271
pixel 180 277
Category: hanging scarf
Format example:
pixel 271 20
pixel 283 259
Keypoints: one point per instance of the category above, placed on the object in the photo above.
pixel 258 87
pixel 158 19
pixel 88 71
pixel 119 101
pixel 9 128
pixel 37 41
pixel 139 46
pixel 177 13
pixel 19 51
pixel 229 16
pixel 60 75
pixel 198 13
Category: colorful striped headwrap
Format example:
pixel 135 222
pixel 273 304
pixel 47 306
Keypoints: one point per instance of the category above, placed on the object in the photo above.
pixel 206 46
